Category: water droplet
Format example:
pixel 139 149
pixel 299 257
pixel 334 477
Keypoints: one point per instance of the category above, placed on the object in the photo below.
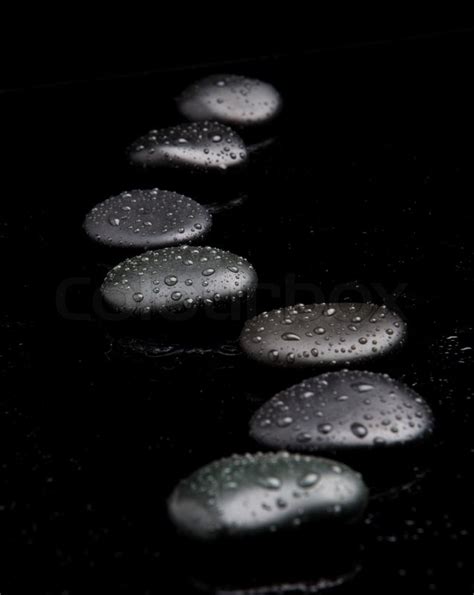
pixel 362 387
pixel 171 280
pixel 309 480
pixel 290 337
pixel 284 422
pixel 325 428
pixel 303 437
pixel 359 430
pixel 270 483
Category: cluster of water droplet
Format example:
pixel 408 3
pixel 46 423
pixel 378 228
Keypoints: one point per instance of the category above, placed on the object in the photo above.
pixel 173 279
pixel 255 493
pixel 339 410
pixel 322 334
pixel 147 218
pixel 236 100
pixel 201 146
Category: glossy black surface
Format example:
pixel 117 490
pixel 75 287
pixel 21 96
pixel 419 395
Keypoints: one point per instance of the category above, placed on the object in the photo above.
pixel 235 100
pixel 247 496
pixel 144 219
pixel 322 335
pixel 371 182
pixel 179 279
pixel 343 411
pixel 200 146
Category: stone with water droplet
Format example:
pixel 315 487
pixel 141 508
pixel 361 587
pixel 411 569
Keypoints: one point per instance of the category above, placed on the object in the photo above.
pixel 235 100
pixel 200 147
pixel 393 415
pixel 147 219
pixel 270 492
pixel 172 281
pixel 324 335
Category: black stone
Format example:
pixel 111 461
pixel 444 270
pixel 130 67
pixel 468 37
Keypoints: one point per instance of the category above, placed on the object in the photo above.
pixel 147 219
pixel 343 411
pixel 260 494
pixel 238 101
pixel 338 334
pixel 199 147
pixel 180 279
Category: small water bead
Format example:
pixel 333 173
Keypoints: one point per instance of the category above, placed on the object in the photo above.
pixel 309 480
pixel 304 437
pixel 171 280
pixel 270 483
pixel 290 337
pixel 138 297
pixel 362 387
pixel 359 430
pixel 338 416
pixel 325 428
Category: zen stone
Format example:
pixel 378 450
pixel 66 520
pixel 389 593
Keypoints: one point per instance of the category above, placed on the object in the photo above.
pixel 200 147
pixel 235 100
pixel 255 494
pixel 147 219
pixel 341 411
pixel 322 334
pixel 178 279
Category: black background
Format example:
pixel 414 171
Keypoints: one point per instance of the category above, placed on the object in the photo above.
pixel 370 181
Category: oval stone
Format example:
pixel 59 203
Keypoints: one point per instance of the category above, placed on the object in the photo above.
pixel 255 494
pixel 147 219
pixel 199 146
pixel 235 100
pixel 340 411
pixel 322 334
pixel 177 279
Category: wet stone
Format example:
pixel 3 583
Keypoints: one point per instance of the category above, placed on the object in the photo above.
pixel 180 279
pixel 333 334
pixel 340 411
pixel 258 494
pixel 235 100
pixel 147 219
pixel 200 147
